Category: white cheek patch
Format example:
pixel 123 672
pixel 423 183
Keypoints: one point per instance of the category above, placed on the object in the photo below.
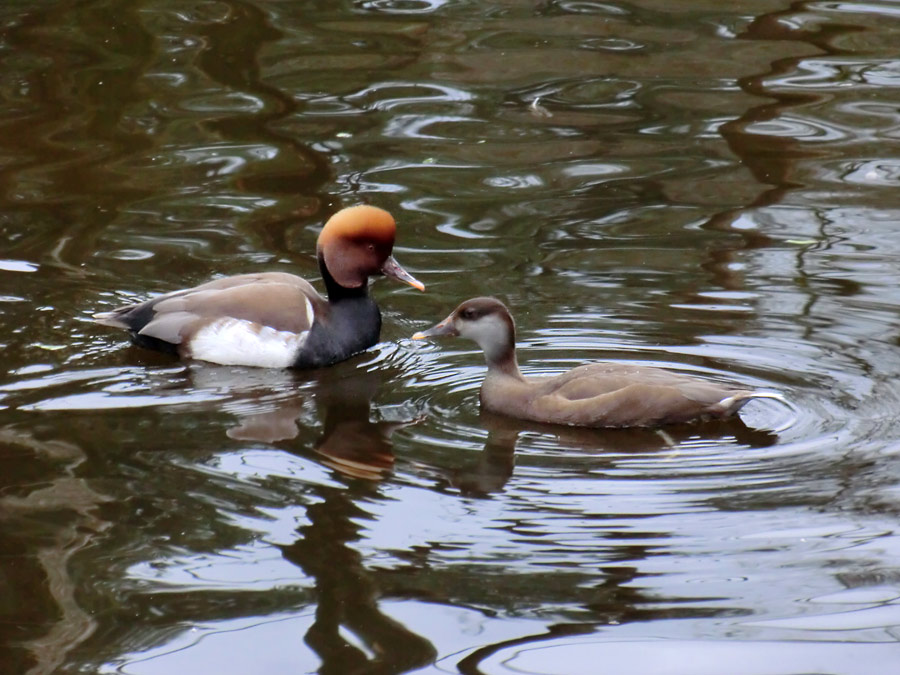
pixel 233 342
pixel 487 331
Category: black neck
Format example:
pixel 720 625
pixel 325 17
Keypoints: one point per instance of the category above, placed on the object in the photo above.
pixel 335 291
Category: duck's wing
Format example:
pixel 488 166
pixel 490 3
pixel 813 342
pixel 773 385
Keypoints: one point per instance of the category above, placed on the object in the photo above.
pixel 276 301
pixel 595 379
pixel 635 405
pixel 619 395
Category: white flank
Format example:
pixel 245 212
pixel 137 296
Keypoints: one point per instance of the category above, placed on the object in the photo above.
pixel 233 342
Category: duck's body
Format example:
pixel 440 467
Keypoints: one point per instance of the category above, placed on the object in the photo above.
pixel 275 319
pixel 592 395
pixel 610 395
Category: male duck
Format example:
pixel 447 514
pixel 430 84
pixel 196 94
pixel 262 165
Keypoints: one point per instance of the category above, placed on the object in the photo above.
pixel 592 395
pixel 274 319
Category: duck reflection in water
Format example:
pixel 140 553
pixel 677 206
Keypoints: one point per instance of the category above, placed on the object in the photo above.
pixel 493 467
pixel 339 402
pixel 594 443
pixel 279 406
pixel 348 593
pixel 360 450
pixel 350 442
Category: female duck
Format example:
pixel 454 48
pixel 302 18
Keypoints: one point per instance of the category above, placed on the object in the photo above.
pixel 592 395
pixel 274 319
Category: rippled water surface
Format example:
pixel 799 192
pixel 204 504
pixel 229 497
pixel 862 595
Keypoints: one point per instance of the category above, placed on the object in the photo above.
pixel 704 185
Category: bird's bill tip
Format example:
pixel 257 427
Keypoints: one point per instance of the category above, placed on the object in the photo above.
pixel 391 268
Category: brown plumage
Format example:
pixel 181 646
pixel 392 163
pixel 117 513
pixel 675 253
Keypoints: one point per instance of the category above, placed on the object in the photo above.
pixel 592 395
pixel 275 319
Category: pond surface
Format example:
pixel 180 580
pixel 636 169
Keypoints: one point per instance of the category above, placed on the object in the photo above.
pixel 704 185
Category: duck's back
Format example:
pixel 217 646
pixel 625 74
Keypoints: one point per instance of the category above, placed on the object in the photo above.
pixel 239 319
pixel 596 379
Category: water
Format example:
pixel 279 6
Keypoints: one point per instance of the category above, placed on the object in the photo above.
pixel 707 186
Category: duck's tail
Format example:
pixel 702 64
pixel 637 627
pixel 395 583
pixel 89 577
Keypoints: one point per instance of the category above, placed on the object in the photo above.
pixel 114 318
pixel 731 404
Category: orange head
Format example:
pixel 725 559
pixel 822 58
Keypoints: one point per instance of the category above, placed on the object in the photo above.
pixel 356 243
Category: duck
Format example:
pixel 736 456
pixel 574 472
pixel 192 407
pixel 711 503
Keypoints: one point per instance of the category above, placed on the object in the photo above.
pixel 590 395
pixel 277 319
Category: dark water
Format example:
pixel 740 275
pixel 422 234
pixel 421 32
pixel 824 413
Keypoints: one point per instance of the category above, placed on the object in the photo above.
pixel 707 185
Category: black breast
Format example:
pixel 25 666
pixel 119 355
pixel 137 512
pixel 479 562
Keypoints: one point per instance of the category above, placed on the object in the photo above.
pixel 350 326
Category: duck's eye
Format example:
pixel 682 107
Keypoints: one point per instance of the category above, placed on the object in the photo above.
pixel 468 314
pixel 370 247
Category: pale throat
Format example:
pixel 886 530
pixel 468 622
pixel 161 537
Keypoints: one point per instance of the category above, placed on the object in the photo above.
pixel 497 341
